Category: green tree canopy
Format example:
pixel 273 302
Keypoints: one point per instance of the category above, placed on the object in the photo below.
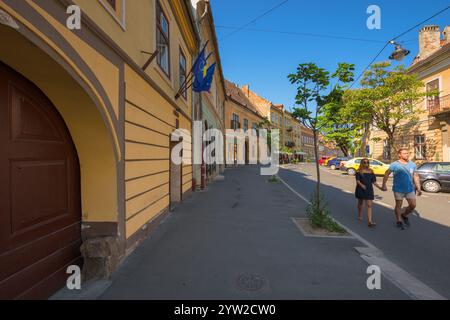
pixel 387 99
pixel 313 95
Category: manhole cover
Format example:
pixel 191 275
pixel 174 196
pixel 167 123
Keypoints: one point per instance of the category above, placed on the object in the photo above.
pixel 250 282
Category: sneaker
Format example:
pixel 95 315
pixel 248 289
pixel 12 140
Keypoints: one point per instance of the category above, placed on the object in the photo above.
pixel 406 220
pixel 400 225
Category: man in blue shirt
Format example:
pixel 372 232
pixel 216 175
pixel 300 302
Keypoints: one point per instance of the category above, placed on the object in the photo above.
pixel 406 186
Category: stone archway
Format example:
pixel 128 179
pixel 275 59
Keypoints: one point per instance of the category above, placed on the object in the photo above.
pixel 99 156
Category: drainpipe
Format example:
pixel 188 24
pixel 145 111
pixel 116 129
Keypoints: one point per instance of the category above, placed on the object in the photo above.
pixel 203 170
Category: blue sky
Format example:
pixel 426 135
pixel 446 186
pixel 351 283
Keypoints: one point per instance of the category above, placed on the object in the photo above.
pixel 264 59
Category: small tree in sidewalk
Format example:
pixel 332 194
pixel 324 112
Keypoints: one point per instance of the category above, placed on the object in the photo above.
pixel 313 95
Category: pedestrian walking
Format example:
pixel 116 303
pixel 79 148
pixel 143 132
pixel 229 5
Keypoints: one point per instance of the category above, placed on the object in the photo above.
pixel 406 186
pixel 365 180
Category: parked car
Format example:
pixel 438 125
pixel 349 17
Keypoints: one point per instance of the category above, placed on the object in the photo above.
pixel 335 163
pixel 327 160
pixel 435 176
pixel 322 160
pixel 378 167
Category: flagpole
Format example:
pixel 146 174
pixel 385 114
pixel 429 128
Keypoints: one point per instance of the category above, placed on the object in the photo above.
pixel 189 78
pixel 190 72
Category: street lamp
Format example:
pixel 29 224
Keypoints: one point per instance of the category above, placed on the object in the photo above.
pixel 399 53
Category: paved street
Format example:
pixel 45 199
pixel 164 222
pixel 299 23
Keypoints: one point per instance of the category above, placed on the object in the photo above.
pixel 243 226
pixel 421 250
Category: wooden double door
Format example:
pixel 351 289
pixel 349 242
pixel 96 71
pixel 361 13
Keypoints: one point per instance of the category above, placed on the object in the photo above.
pixel 40 206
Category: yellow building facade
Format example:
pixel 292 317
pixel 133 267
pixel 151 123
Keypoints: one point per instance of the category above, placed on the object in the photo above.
pixel 96 114
pixel 210 109
pixel 277 121
pixel 292 133
pixel 428 138
pixel 240 113
pixel 290 129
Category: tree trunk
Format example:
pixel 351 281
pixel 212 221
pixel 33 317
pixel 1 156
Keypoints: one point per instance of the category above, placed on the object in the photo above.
pixel 316 153
pixel 364 140
pixel 344 150
pixel 392 148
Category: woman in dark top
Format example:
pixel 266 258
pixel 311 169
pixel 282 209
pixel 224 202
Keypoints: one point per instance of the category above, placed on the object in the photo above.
pixel 365 180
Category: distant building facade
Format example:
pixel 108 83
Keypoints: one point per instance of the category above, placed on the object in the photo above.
pixel 209 107
pixel 240 113
pixel 429 138
pixel 307 138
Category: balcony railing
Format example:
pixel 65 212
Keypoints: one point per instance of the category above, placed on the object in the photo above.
pixel 290 144
pixel 438 105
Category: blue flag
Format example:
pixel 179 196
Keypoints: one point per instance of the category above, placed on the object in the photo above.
pixel 205 83
pixel 199 65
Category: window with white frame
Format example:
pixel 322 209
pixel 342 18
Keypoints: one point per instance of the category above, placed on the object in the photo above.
pixel 420 147
pixel 182 72
pixel 433 101
pixel 245 124
pixel 162 39
pixel 235 122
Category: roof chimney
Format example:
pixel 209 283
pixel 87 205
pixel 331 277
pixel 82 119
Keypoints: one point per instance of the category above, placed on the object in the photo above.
pixel 446 34
pixel 429 41
pixel 246 90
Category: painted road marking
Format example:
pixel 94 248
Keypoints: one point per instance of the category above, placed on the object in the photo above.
pixel 410 285
pixel 399 277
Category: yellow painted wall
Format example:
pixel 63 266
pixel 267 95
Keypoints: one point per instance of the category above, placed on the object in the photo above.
pixel 278 124
pixel 432 132
pixel 215 98
pixel 243 113
pixel 149 121
pixel 444 76
pixel 232 107
pixel 105 71
pixel 150 106
pixel 139 35
pixel 295 134
pixel 93 140
pixel 187 157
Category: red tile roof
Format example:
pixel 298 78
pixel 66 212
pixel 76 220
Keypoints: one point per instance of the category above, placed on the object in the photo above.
pixel 238 96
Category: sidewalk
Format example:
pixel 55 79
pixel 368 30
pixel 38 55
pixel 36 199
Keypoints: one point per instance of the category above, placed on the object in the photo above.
pixel 243 226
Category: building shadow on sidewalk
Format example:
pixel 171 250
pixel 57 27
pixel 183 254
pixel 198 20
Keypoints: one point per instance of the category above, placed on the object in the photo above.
pixel 239 241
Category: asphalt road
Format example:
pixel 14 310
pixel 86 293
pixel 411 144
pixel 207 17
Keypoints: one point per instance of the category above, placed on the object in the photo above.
pixel 423 250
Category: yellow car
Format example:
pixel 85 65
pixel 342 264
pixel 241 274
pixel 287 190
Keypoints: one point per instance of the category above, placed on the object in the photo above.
pixel 378 167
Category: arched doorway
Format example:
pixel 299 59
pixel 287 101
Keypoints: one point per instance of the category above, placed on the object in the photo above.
pixel 40 212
